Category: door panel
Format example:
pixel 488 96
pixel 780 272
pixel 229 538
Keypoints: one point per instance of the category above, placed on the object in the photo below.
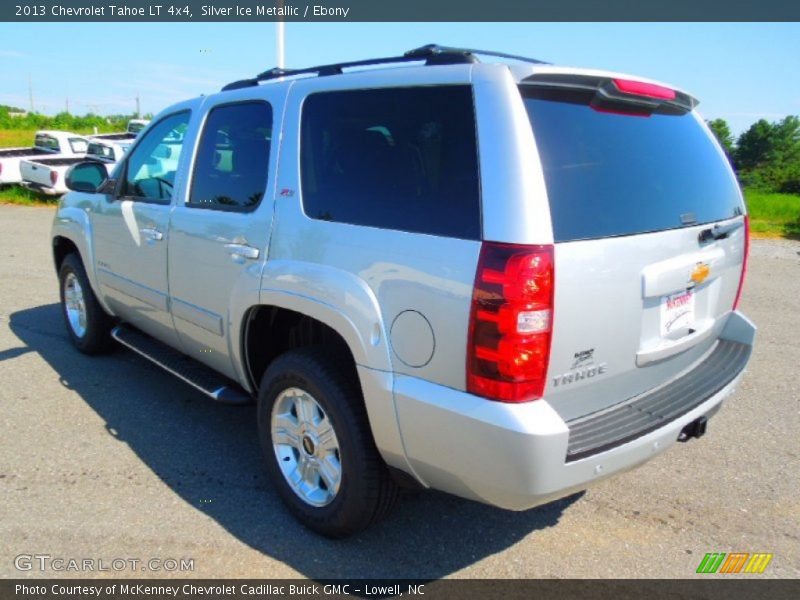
pixel 131 233
pixel 132 265
pixel 219 230
pixel 612 338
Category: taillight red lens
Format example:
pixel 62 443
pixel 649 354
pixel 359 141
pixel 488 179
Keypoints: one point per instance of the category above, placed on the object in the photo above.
pixel 511 321
pixel 53 177
pixel 640 88
pixel 744 261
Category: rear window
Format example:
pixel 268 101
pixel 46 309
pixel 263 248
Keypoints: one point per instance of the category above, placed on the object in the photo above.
pixel 100 151
pixel 46 141
pixel 136 127
pixel 610 174
pixel 397 158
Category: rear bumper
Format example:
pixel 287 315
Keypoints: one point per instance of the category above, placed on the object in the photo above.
pixel 519 456
pixel 38 187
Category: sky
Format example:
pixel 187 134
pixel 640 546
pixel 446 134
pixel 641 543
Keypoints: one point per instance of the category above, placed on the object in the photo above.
pixel 740 72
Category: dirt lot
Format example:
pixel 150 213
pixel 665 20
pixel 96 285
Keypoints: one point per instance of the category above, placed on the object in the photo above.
pixel 112 458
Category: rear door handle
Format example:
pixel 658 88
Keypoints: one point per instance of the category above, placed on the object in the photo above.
pixel 719 232
pixel 152 234
pixel 242 250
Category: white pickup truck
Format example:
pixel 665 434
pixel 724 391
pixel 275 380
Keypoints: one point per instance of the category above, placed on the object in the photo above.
pixel 47 174
pixel 130 133
pixel 46 143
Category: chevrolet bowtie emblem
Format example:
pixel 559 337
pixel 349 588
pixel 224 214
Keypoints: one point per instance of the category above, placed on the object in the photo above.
pixel 700 273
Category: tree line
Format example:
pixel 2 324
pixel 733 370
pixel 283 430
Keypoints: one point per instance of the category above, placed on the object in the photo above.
pixel 63 121
pixel 766 156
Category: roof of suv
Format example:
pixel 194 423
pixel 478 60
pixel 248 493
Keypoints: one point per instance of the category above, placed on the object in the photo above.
pixel 436 55
pixel 432 54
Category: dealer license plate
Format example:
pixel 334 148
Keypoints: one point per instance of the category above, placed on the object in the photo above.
pixel 677 313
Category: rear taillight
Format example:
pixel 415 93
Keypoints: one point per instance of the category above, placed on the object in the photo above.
pixel 511 322
pixel 53 177
pixel 744 260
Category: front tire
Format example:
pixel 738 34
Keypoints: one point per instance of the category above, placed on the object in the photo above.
pixel 87 323
pixel 318 445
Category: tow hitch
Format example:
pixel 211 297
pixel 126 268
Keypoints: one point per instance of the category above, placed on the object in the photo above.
pixel 695 429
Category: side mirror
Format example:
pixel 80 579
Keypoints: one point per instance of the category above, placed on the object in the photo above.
pixel 87 176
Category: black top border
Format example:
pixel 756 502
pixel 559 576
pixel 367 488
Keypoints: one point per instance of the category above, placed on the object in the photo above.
pixel 398 11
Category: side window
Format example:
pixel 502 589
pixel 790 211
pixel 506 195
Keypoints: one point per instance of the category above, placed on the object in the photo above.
pixel 78 145
pixel 151 167
pixel 232 163
pixel 398 158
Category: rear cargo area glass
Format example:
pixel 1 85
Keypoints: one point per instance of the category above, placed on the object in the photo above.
pixel 614 174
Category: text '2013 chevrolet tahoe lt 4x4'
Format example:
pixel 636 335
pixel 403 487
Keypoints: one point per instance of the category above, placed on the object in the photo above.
pixel 503 281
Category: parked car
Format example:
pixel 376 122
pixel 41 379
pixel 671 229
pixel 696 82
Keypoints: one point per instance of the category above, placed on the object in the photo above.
pixel 130 133
pixel 47 175
pixel 46 143
pixel 503 281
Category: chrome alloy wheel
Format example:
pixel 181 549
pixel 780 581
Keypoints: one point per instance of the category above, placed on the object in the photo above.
pixel 306 447
pixel 75 305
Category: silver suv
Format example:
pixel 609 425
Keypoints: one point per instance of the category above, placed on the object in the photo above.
pixel 503 281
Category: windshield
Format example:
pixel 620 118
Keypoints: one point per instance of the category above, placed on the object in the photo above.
pixel 611 174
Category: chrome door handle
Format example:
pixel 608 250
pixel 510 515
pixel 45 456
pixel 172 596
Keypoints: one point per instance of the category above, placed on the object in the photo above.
pixel 242 250
pixel 152 234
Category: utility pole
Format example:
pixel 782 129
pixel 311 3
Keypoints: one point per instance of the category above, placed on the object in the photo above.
pixel 279 41
pixel 138 113
pixel 30 92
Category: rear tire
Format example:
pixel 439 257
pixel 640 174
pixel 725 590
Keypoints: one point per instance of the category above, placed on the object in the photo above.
pixel 87 323
pixel 318 445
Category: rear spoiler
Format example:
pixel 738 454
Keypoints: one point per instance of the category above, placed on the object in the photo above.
pixel 612 94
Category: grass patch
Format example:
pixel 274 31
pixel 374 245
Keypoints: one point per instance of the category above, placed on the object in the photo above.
pixel 11 138
pixel 15 194
pixel 775 215
pixel 19 138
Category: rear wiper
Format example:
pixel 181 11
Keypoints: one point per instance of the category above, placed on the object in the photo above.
pixel 719 232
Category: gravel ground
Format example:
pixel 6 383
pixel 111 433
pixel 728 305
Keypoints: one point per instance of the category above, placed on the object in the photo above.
pixel 111 458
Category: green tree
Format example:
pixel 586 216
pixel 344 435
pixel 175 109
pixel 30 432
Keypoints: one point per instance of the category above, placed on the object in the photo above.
pixel 719 127
pixel 768 155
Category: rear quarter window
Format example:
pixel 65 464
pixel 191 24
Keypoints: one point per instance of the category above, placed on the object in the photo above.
pixel 396 158
pixel 610 174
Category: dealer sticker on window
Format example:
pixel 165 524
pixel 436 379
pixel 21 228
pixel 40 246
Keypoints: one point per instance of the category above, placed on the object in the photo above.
pixel 677 312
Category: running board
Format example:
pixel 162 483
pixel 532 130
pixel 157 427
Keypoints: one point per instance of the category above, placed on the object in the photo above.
pixel 196 374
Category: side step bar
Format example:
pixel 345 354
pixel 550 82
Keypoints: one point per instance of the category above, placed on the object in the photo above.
pixel 196 374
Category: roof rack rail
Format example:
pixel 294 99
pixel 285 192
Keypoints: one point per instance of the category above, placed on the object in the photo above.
pixel 432 54
pixel 437 50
